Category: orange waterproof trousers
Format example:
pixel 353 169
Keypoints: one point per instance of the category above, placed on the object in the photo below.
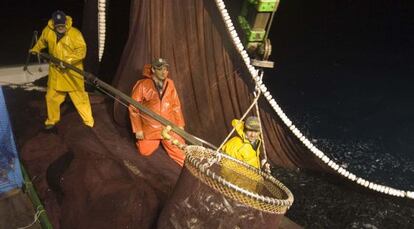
pixel 147 147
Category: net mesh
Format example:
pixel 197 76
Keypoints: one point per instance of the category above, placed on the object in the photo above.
pixel 238 180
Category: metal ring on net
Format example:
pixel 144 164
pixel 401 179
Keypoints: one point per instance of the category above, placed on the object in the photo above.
pixel 238 181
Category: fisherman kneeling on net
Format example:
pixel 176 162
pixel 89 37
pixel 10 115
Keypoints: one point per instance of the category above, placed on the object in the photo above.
pixel 156 91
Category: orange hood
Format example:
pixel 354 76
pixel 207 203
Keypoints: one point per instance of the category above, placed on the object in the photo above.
pixel 146 71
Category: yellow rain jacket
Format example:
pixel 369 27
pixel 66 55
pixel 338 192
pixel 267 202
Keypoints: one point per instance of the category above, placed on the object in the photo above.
pixel 71 48
pixel 240 148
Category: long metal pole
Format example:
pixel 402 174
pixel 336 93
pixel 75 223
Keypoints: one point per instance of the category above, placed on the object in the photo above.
pixel 99 83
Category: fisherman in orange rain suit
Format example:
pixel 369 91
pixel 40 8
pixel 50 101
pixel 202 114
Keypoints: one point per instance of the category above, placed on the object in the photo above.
pixel 156 92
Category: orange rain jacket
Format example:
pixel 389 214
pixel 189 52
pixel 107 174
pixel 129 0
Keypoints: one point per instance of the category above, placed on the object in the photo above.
pixel 166 105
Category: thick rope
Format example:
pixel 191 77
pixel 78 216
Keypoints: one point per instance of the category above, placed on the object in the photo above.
pixel 260 122
pixel 258 92
pixel 36 218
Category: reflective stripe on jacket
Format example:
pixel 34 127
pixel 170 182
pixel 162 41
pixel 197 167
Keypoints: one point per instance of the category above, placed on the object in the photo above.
pixel 71 48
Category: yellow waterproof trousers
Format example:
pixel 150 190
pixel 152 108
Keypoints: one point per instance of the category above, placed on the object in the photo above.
pixel 79 98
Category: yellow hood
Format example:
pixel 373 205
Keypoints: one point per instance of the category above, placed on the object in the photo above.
pixel 239 126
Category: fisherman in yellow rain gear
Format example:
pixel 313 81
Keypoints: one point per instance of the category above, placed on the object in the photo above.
pixel 245 147
pixel 65 43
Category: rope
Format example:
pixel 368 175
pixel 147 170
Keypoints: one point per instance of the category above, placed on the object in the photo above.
pixel 257 94
pixel 222 77
pixel 36 218
pixel 260 124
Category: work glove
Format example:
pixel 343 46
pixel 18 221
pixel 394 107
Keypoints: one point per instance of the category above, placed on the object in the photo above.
pixel 139 135
pixel 266 166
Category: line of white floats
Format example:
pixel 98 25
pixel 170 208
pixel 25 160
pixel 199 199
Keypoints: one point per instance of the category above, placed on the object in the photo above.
pixel 101 27
pixel 255 75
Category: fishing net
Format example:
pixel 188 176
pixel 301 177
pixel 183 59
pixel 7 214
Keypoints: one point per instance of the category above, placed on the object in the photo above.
pixel 218 191
pixel 238 180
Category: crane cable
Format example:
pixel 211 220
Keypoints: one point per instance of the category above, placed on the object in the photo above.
pixel 257 94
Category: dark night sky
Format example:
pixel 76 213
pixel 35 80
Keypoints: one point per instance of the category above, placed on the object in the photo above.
pixel 364 32
pixel 18 20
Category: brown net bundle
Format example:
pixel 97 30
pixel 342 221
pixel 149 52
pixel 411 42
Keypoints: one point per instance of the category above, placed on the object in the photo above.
pixel 217 191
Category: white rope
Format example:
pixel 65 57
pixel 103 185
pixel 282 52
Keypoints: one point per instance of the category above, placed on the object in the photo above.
pixel 36 218
pixel 241 119
pixel 263 163
pixel 260 124
pixel 254 74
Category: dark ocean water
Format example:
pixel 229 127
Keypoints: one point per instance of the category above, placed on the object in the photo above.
pixel 344 77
